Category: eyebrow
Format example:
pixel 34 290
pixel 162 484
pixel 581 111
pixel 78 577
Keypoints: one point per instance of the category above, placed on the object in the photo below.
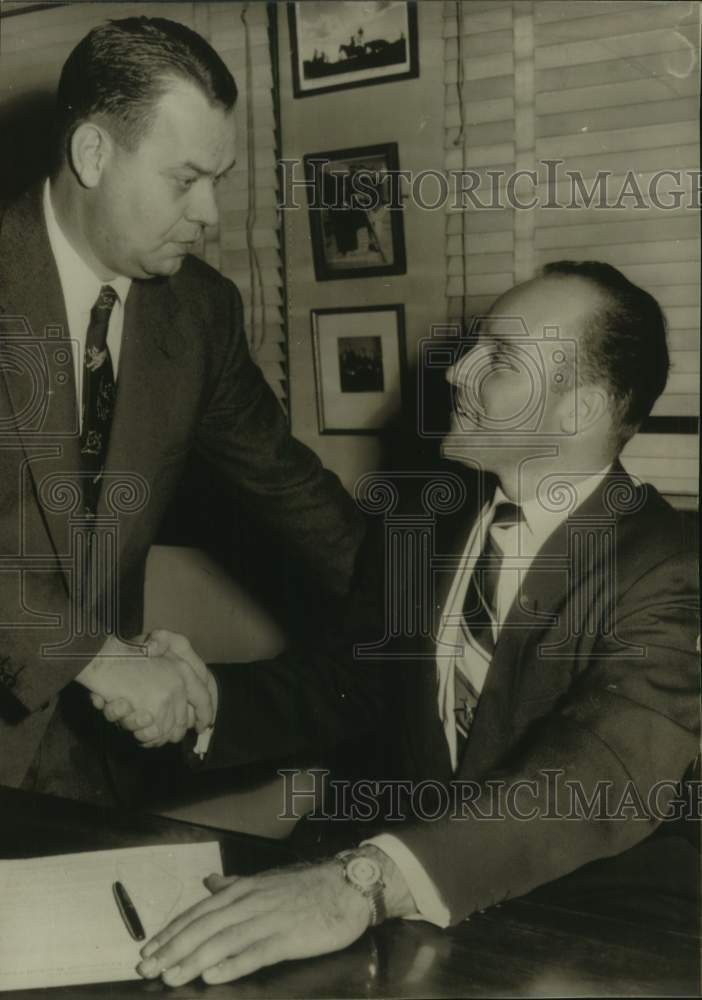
pixel 189 165
pixel 481 330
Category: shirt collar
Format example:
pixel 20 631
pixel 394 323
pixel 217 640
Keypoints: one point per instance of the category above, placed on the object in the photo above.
pixel 78 281
pixel 542 521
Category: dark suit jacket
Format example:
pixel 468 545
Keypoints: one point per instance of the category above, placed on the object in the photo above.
pixel 186 385
pixel 595 674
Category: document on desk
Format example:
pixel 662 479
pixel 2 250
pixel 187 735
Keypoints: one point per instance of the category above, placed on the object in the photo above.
pixel 60 924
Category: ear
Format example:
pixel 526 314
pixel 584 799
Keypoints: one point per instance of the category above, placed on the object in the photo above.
pixel 90 150
pixel 583 407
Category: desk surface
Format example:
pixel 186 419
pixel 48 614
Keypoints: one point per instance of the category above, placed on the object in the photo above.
pixel 519 949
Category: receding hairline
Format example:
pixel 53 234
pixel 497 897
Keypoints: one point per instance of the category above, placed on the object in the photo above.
pixel 589 311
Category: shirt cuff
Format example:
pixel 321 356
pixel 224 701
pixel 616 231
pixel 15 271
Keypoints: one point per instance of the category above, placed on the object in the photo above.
pixel 424 892
pixel 202 743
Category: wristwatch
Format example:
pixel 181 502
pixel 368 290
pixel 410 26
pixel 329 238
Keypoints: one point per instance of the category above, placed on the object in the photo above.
pixel 366 876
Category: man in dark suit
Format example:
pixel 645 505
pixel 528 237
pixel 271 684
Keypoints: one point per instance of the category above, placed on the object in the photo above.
pixel 538 736
pixel 123 355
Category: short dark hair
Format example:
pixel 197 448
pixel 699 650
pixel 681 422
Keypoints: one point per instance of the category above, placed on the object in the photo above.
pixel 622 345
pixel 121 69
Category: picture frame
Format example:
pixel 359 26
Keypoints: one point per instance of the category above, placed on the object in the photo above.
pixel 360 367
pixel 338 44
pixel 355 210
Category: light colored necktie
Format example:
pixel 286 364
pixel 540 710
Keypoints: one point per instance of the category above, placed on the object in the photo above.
pixel 479 613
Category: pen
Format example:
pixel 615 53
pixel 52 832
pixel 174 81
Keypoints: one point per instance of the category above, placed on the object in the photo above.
pixel 128 912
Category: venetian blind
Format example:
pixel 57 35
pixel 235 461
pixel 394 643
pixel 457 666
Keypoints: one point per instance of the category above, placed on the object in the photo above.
pixel 599 86
pixel 246 244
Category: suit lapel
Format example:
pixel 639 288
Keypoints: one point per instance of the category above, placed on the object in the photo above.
pixel 150 383
pixel 572 554
pixel 37 365
pixel 149 397
pixel 429 750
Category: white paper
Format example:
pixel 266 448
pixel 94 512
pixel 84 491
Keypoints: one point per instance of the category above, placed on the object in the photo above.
pixel 59 922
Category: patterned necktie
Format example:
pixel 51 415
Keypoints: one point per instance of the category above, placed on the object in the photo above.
pixel 479 612
pixel 98 397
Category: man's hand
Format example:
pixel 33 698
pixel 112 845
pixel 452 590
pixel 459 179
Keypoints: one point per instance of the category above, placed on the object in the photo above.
pixel 152 686
pixel 176 649
pixel 249 923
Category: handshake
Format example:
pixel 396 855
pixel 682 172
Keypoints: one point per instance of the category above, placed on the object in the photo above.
pixel 157 687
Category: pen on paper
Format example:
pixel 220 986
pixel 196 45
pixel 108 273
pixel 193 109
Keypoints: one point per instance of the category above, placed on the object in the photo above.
pixel 128 912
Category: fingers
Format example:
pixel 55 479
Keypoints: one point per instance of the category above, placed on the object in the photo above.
pixel 215 883
pixel 157 642
pixel 177 734
pixel 198 696
pixel 256 956
pixel 165 720
pixel 135 720
pixel 98 701
pixel 206 942
pixel 211 903
pixel 252 949
pixel 117 709
pixel 162 641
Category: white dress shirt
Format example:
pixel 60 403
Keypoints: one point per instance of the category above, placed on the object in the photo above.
pixel 81 287
pixel 520 544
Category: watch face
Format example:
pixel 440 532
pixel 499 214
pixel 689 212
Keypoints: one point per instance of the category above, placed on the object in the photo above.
pixel 363 872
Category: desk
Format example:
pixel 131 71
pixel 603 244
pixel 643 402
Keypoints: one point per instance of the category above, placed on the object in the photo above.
pixel 518 949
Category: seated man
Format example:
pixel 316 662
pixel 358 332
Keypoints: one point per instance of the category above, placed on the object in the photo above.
pixel 560 711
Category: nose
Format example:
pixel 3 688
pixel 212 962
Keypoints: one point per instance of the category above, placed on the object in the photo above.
pixel 458 372
pixel 202 204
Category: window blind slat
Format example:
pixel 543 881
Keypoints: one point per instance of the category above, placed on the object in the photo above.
pixel 480 111
pixel 630 93
pixel 610 70
pixel 560 227
pixel 626 116
pixel 555 10
pixel 674 133
pixel 619 22
pixel 480 90
pixel 615 46
pixel 494 19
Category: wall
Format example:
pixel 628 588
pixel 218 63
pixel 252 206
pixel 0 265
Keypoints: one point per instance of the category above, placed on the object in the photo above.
pixel 410 113
pixel 609 89
pixel 602 85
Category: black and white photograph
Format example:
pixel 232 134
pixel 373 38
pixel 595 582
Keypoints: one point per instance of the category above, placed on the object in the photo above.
pixel 349 499
pixel 342 43
pixel 356 212
pixel 361 364
pixel 360 367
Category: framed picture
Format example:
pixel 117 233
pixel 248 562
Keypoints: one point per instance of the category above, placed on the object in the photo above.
pixel 337 44
pixel 359 357
pixel 355 212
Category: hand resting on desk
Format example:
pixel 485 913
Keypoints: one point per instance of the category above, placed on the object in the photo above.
pixel 281 914
pixel 158 694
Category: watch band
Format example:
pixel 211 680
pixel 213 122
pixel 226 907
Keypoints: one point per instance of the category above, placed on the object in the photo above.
pixel 373 890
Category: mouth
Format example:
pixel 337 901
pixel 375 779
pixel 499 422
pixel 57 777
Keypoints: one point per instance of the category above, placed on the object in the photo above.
pixel 466 419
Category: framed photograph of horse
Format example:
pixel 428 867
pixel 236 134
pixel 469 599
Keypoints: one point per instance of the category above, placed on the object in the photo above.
pixel 355 207
pixel 337 44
